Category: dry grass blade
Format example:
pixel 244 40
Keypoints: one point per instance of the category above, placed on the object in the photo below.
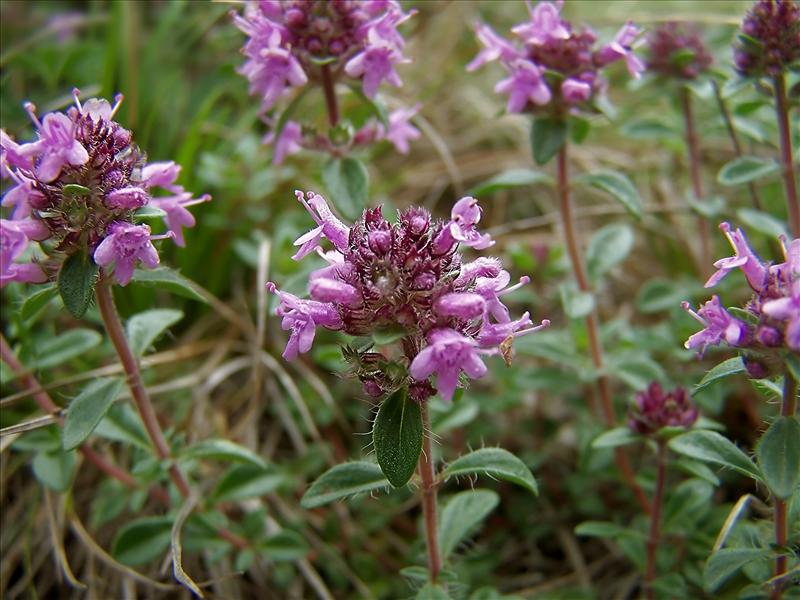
pixel 177 549
pixel 36 423
pixel 57 541
pixel 730 521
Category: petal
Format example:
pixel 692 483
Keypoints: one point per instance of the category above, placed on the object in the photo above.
pixel 474 366
pixel 424 363
pixel 447 381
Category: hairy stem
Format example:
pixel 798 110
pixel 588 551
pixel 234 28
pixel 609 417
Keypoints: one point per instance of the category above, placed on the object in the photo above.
pixel 427 472
pixel 105 302
pixel 592 325
pixel 789 182
pixel 737 147
pixel 788 409
pixel 697 182
pixel 655 521
pixel 328 87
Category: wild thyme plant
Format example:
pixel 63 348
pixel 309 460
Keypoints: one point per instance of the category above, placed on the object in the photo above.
pixel 555 75
pixel 416 309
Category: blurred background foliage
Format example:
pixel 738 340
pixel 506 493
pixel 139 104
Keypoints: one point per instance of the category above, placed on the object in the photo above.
pixel 175 62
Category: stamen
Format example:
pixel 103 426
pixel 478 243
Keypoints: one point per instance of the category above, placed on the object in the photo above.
pixel 163 236
pixel 688 308
pixel 544 325
pixel 302 198
pixel 30 108
pixel 524 280
pixel 76 94
pixel 117 103
pixel 200 200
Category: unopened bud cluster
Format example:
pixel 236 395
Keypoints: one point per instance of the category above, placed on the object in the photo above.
pixel 408 278
pixel 676 51
pixel 770 40
pixel 655 409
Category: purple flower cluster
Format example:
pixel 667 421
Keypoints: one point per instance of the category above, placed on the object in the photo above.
pixel 555 68
pixel 406 277
pixel 770 38
pixel 772 316
pixel 676 50
pixel 654 410
pixel 291 39
pixel 79 187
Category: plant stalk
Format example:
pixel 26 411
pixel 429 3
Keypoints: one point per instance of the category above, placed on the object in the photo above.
pixel 105 302
pixel 789 182
pixel 427 472
pixel 655 520
pixel 592 325
pixel 697 182
pixel 328 87
pixel 788 409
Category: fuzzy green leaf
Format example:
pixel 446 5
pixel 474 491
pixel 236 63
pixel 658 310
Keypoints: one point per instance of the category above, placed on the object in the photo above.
pixel 745 169
pixel 494 462
pixel 347 181
pixel 87 409
pixel 608 247
pixel 724 563
pixel 726 368
pixel 142 541
pixel 511 178
pixel 461 516
pixel 710 446
pixel 618 186
pixel 778 454
pixel 397 437
pixel 225 450
pixel 76 281
pixel 548 136
pixel 55 468
pixel 144 328
pixel 343 481
pixel 169 280
pixel 68 345
pixel 35 303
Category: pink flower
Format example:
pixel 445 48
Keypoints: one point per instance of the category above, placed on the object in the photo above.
pixel 495 47
pixel 654 410
pixel 328 226
pixel 754 270
pixel 463 228
pixel 719 325
pixel 574 91
pixel 375 64
pixel 400 128
pixel 303 317
pixel 14 237
pixel 545 25
pixel 58 146
pixel 161 174
pixel 787 309
pixel 177 216
pixel 289 141
pixel 447 354
pixel 622 48
pixel 526 84
pixel 127 198
pixel 126 245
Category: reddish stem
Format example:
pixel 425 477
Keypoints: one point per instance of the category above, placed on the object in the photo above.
pixel 328 87
pixel 427 472
pixel 697 182
pixel 789 182
pixel 105 302
pixel 655 521
pixel 592 326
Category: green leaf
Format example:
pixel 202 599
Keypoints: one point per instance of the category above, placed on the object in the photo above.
pixel 74 189
pixel 647 129
pixel 347 181
pixel 461 516
pixel 548 136
pixel 745 169
pixel 579 128
pixel 397 437
pixel 726 368
pixel 76 281
pixel 144 328
pixel 659 294
pixel 289 111
pixel 576 303
pixel 55 468
pixel 87 409
pixel 618 186
pixel 637 371
pixel 724 563
pixel 613 438
pixel 698 469
pixel 376 107
pixel 762 222
pixel 247 481
pixel 778 454
pixel 284 545
pixel 608 248
pixel 431 591
pixel 149 212
pixel 388 335
pixel 494 462
pixel 142 541
pixel 225 450
pixel 66 346
pixel 604 529
pixel 511 178
pixel 123 424
pixel 35 303
pixel 710 446
pixel 343 481
pixel 169 280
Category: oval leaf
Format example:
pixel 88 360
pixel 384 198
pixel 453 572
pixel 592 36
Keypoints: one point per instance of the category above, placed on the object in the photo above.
pixel 724 563
pixel 144 328
pixel 745 169
pixel 66 346
pixel 347 181
pixel 142 541
pixel 247 481
pixel 613 438
pixel 510 179
pixel 76 280
pixel 709 446
pixel 461 516
pixel 726 368
pixel 284 545
pixel 342 481
pixel 762 222
pixel 494 462
pixel 608 248
pixel 36 302
pixel 55 469
pixel 778 453
pixel 619 186
pixel 397 437
pixel 576 303
pixel 547 138
pixel 87 409
pixel 225 450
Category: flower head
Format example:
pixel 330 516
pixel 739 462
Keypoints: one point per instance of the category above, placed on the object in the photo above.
pixel 719 325
pixel 744 258
pixel 770 39
pixel 83 182
pixel 555 68
pixel 676 50
pixel 406 277
pixel 654 409
pixel 14 238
